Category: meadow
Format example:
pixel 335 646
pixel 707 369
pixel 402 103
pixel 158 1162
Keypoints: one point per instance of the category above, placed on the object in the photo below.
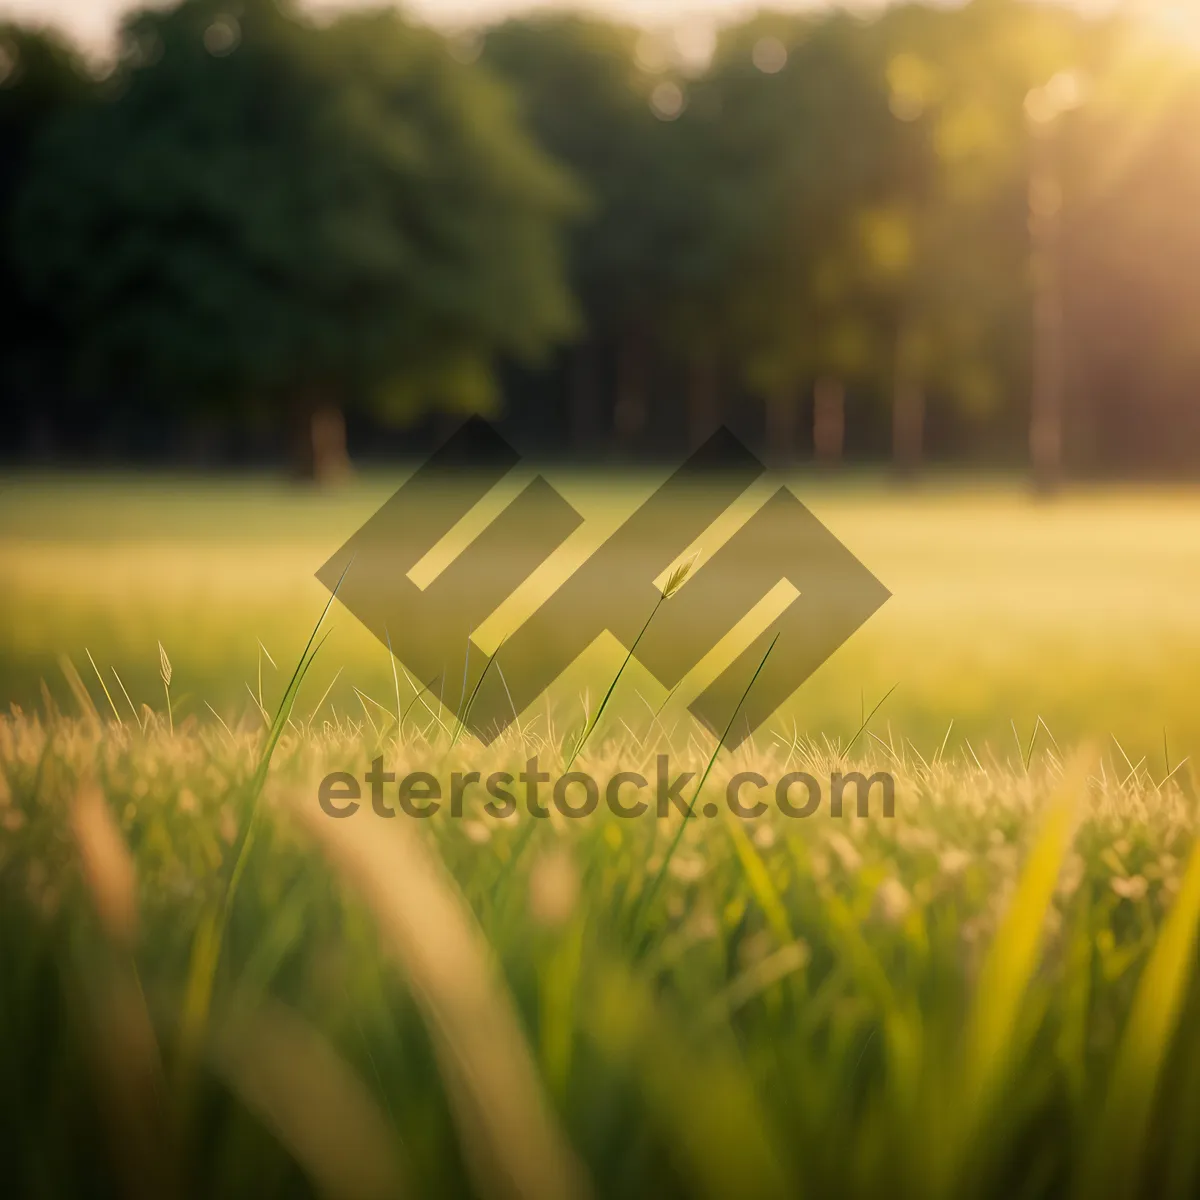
pixel 210 988
pixel 1003 609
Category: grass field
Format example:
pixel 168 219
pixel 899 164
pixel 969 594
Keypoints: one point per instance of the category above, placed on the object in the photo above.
pixel 1003 610
pixel 209 988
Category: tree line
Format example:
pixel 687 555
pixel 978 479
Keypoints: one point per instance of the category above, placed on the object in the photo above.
pixel 961 234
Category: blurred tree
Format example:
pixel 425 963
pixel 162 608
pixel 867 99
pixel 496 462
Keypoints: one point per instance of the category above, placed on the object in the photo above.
pixel 265 215
pixel 1130 163
pixel 949 251
pixel 41 79
pixel 707 232
pixel 592 107
pixel 256 218
pixel 958 181
pixel 805 129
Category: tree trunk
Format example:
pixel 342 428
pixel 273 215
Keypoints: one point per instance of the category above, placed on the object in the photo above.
pixel 1046 402
pixel 908 426
pixel 781 426
pixel 198 441
pixel 629 412
pixel 42 442
pixel 829 421
pixel 585 399
pixel 703 403
pixel 319 441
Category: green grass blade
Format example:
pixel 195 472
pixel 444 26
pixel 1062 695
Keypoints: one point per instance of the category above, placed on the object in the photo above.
pixel 1116 1153
pixel 104 687
pixel 989 1049
pixel 656 882
pixel 612 686
pixel 466 712
pixel 205 956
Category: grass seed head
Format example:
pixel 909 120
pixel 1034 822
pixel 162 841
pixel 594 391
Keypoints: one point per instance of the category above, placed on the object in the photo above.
pixel 678 576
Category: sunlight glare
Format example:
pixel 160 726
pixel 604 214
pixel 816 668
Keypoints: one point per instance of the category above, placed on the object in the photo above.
pixel 1177 22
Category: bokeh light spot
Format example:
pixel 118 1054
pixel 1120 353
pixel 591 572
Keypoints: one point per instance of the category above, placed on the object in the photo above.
pixel 667 101
pixel 222 36
pixel 769 55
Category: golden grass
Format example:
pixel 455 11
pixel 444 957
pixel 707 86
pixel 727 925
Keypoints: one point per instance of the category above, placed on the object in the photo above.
pixel 1081 612
pixel 210 986
pixel 846 1004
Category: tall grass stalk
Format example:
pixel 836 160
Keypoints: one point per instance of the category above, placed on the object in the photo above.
pixel 164 667
pixel 204 960
pixel 1115 1154
pixel 990 1048
pixel 675 581
pixel 648 894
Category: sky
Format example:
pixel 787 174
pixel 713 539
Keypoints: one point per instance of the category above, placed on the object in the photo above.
pixel 92 22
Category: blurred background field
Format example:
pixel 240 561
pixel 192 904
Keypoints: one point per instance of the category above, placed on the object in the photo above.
pixel 1004 607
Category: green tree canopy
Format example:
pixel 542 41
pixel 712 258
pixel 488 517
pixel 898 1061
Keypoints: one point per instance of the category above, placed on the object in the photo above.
pixel 803 140
pixel 589 104
pixel 41 80
pixel 263 213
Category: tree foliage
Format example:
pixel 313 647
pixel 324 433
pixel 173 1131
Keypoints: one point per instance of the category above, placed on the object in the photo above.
pixel 41 82
pixel 259 209
pixel 257 215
